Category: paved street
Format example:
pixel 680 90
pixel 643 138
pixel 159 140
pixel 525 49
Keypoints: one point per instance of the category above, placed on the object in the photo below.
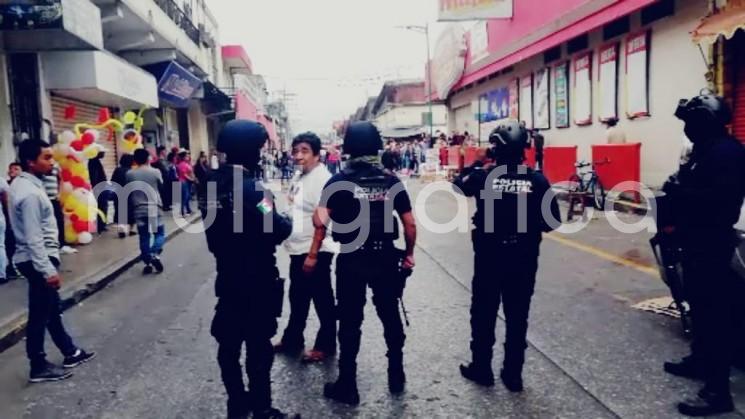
pixel 591 354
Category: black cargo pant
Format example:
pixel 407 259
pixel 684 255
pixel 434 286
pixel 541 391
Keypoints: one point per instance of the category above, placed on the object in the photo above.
pixel 251 321
pixel 304 289
pixel 504 271
pixel 44 314
pixel 712 290
pixel 354 273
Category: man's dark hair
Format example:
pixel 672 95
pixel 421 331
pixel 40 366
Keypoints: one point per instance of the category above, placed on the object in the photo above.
pixel 141 156
pixel 182 155
pixel 30 150
pixel 160 149
pixel 15 163
pixel 308 138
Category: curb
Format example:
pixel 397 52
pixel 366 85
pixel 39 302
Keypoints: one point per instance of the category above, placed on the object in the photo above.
pixel 15 330
pixel 620 205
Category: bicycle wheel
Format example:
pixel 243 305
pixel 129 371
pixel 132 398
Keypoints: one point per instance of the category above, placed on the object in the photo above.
pixel 598 194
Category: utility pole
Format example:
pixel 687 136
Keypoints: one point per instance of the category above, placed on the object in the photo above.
pixel 425 31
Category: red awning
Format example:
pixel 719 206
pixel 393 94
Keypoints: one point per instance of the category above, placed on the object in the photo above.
pixel 724 23
pixel 609 14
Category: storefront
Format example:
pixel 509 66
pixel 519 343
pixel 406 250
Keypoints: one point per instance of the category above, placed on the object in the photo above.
pixel 621 60
pixel 725 31
pixel 183 120
pixel 86 86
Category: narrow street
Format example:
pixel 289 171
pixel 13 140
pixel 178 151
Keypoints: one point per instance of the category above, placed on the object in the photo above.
pixel 590 355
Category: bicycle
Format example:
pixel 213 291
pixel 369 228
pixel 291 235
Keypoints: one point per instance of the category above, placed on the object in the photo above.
pixel 586 183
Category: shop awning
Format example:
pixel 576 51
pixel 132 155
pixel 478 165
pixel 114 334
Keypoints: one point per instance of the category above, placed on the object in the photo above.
pixel 402 132
pixel 99 77
pixel 725 23
pixel 589 23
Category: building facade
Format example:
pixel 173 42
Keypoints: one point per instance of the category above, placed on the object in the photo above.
pixel 582 62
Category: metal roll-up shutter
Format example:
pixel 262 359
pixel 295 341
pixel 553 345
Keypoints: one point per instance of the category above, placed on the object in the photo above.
pixel 738 123
pixel 84 113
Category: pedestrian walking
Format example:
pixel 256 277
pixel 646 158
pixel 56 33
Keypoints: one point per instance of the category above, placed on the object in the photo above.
pixel 14 169
pixel 706 196
pixel 146 204
pixel 368 257
pixel 123 217
pixel 4 192
pixel 51 186
pixel 614 134
pixel 98 176
pixel 505 251
pixel 248 291
pixel 304 197
pixel 185 178
pixel 162 164
pixel 538 144
pixel 201 173
pixel 37 258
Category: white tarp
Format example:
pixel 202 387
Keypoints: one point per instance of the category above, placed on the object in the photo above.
pixel 449 60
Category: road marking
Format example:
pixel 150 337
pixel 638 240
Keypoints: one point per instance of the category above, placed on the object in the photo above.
pixel 641 267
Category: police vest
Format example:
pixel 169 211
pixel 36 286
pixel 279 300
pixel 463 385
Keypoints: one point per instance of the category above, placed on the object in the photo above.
pixel 372 189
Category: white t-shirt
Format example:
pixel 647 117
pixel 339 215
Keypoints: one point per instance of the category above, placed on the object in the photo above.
pixel 303 199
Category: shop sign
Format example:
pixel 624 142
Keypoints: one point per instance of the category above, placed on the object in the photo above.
pixel 177 86
pixel 454 10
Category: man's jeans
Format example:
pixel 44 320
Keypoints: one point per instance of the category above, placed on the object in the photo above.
pixel 152 234
pixel 43 313
pixel 3 255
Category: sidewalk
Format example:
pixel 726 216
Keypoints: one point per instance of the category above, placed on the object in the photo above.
pixel 83 274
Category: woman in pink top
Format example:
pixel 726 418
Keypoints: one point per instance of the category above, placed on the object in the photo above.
pixel 185 177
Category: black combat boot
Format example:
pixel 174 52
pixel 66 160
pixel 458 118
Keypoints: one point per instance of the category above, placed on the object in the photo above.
pixel 239 407
pixel 479 370
pixel 512 369
pixel 272 413
pixel 344 389
pixel 686 368
pixel 396 375
pixel 481 375
pixel 709 403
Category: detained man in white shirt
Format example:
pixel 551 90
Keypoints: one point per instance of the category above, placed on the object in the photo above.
pixel 304 197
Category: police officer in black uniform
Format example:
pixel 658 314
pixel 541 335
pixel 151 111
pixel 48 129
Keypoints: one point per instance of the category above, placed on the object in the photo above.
pixel 706 196
pixel 243 236
pixel 515 206
pixel 360 203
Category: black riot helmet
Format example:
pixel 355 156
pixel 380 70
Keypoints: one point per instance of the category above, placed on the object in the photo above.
pixel 362 139
pixel 705 116
pixel 509 140
pixel 241 141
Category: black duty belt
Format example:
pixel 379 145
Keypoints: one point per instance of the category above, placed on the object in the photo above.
pixel 376 246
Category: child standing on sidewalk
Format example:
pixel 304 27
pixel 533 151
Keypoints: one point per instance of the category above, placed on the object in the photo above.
pixel 145 182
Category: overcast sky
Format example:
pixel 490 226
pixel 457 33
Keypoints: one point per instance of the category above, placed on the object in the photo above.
pixel 329 54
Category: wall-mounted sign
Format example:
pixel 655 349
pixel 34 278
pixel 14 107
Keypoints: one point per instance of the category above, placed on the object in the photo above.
pixel 495 105
pixel 526 101
pixel 450 10
pixel 561 94
pixel 514 99
pixel 608 82
pixel 541 99
pixel 583 89
pixel 449 60
pixel 177 86
pixel 17 16
pixel 637 67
